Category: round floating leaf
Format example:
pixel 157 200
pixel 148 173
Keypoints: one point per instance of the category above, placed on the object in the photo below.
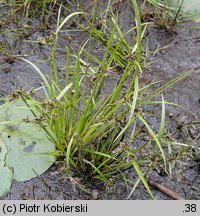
pixel 27 144
pixel 5 180
pixel 189 6
pixel 192 6
pixel 5 172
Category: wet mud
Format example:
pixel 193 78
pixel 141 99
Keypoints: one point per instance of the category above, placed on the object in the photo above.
pixel 177 53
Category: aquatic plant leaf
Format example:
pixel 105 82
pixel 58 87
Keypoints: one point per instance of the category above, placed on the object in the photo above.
pixel 27 144
pixel 5 180
pixel 5 172
pixel 191 6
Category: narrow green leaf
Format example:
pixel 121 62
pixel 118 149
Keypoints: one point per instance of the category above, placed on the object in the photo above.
pixel 154 137
pixel 162 123
pixel 141 176
pixel 64 91
pixel 68 155
pixel 96 170
pixel 66 19
pixel 167 85
pixel 135 97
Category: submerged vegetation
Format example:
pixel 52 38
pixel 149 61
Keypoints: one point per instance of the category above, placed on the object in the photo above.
pixel 101 135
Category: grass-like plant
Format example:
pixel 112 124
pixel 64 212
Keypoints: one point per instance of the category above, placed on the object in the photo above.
pixel 167 13
pixel 89 128
pixel 31 7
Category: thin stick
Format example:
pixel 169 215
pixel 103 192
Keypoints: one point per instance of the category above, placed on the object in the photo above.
pixel 164 190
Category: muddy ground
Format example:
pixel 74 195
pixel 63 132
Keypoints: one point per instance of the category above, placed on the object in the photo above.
pixel 181 52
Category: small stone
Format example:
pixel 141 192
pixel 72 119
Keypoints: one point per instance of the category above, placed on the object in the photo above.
pixel 95 194
pixel 193 131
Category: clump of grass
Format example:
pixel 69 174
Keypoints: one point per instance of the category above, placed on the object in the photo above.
pixel 32 7
pixel 164 14
pixel 89 128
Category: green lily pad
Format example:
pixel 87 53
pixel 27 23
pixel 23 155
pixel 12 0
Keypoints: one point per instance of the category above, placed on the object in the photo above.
pixel 6 173
pixel 192 6
pixel 189 6
pixel 28 148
